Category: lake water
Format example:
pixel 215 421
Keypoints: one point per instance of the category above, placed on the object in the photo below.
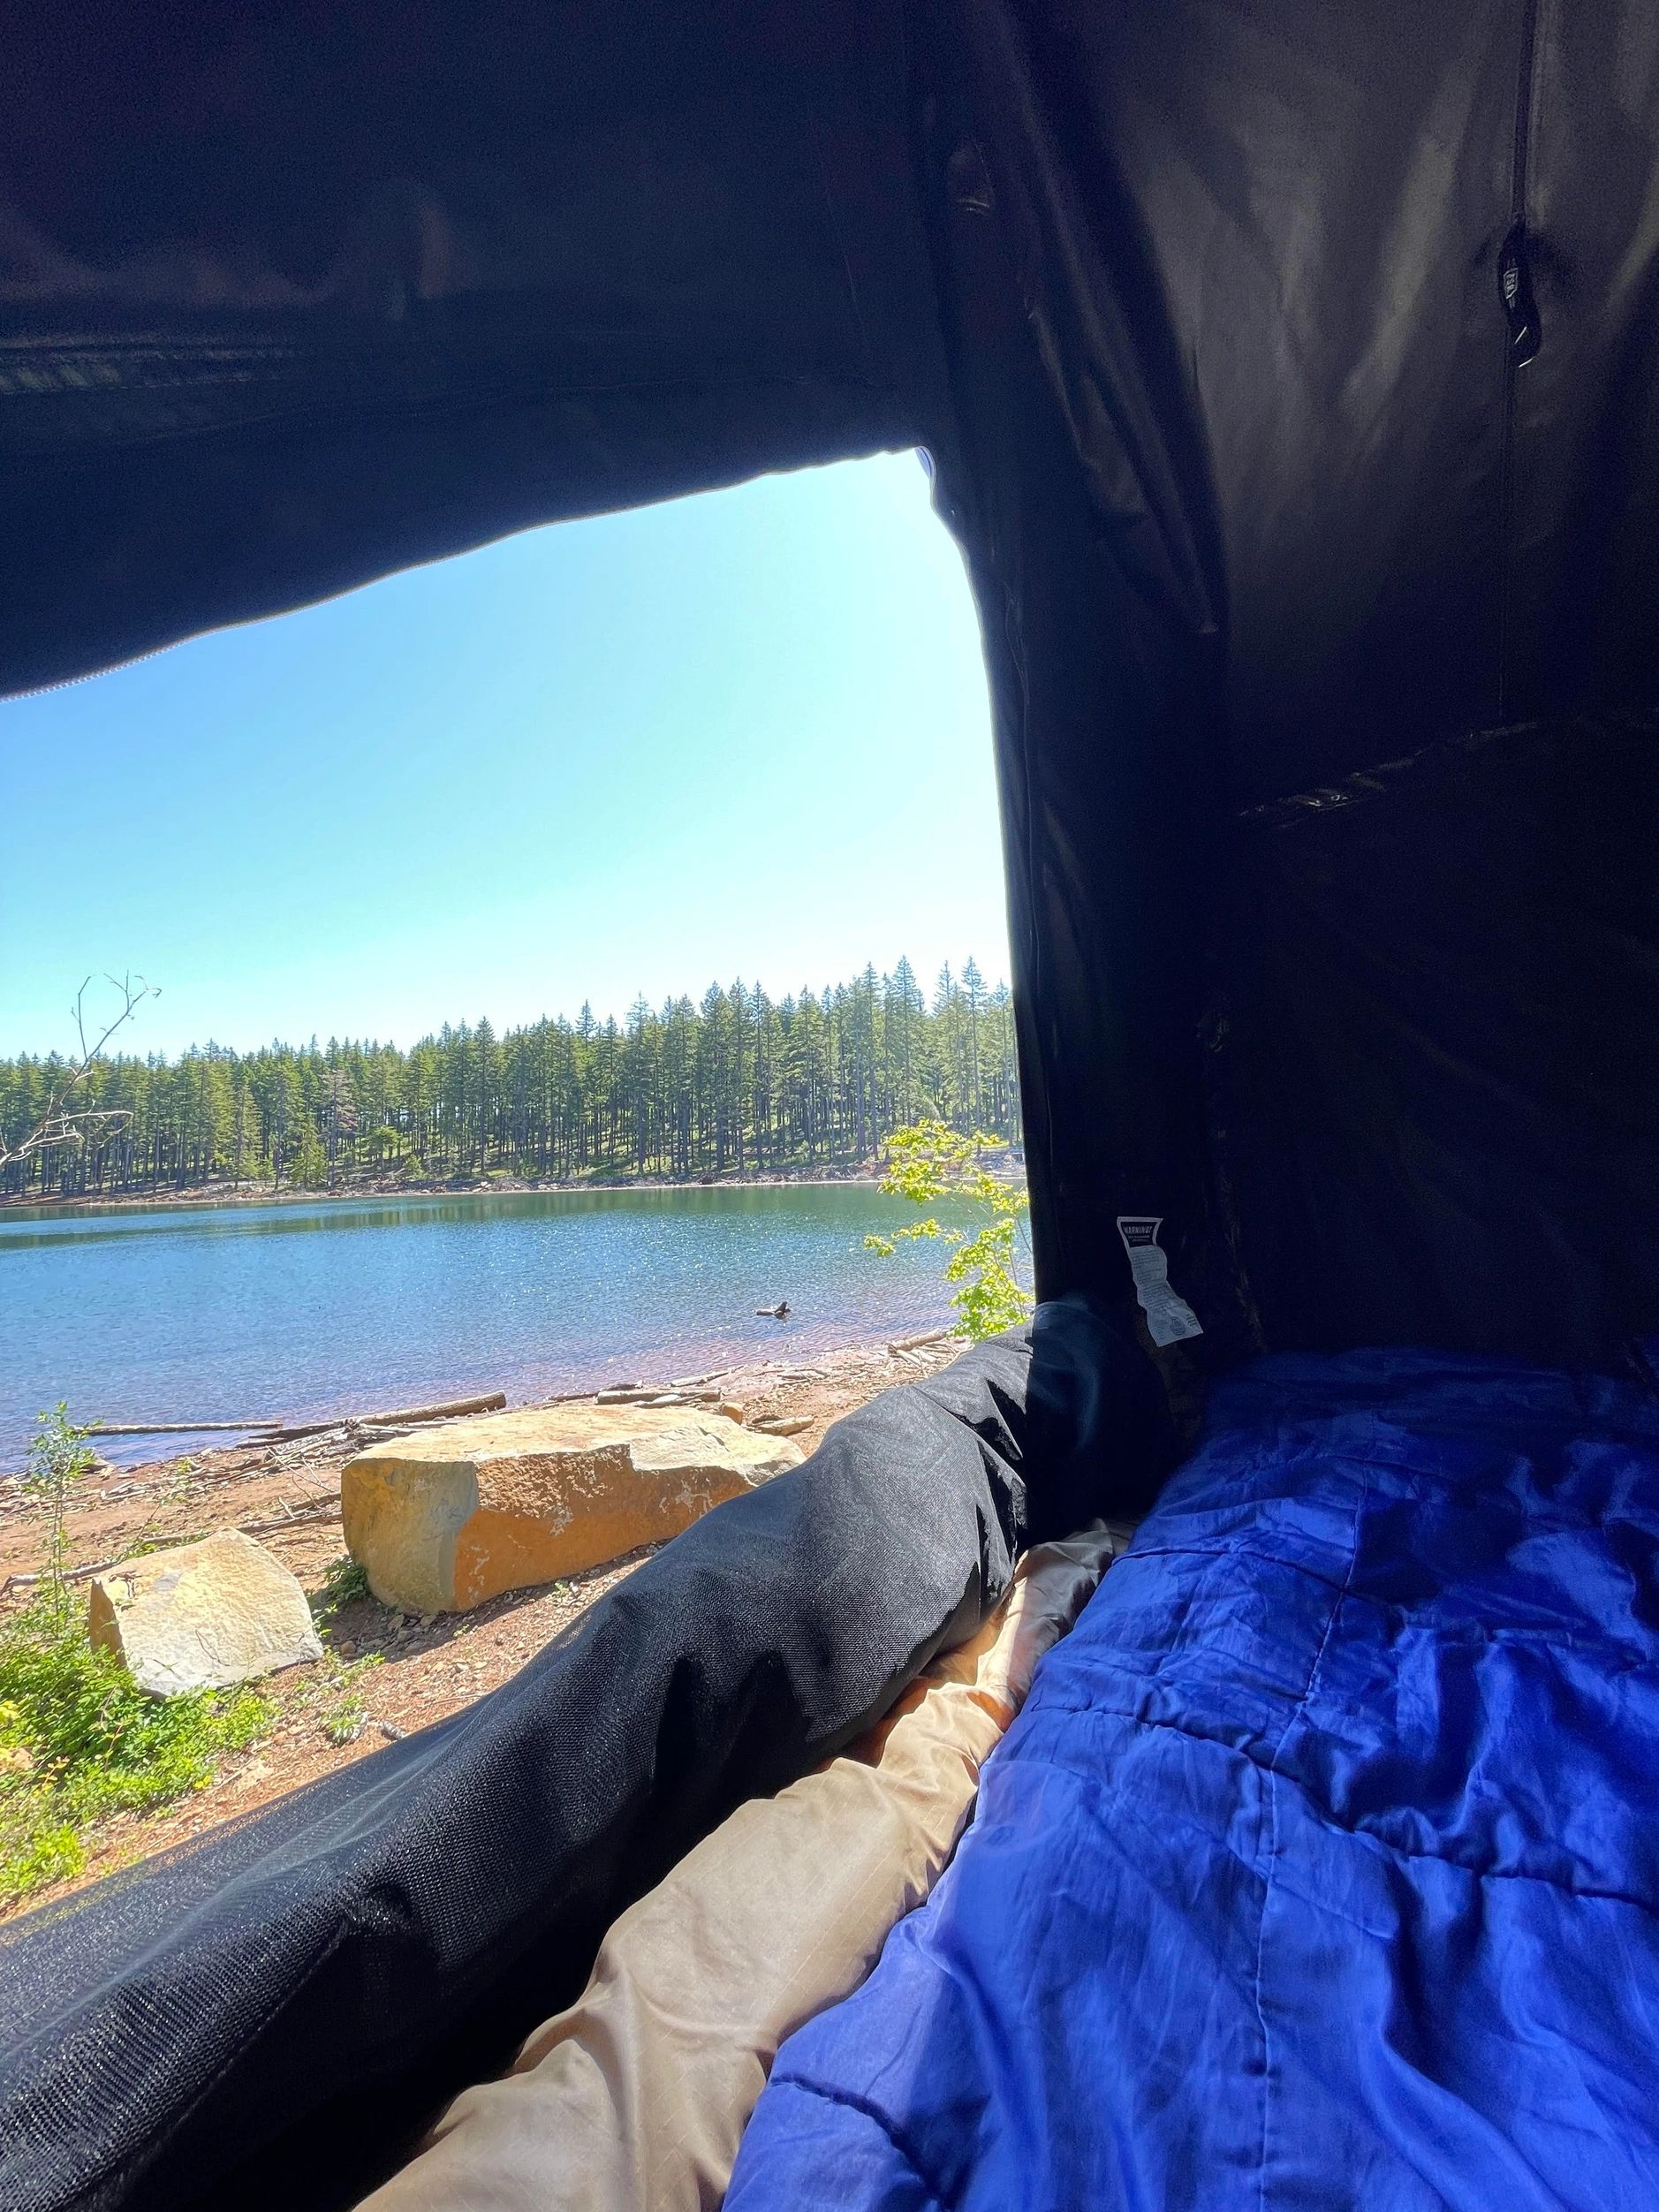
pixel 354 1305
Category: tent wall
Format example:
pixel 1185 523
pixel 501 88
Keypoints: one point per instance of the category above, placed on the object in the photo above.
pixel 1267 484
pixel 1319 577
pixel 1290 371
pixel 1078 484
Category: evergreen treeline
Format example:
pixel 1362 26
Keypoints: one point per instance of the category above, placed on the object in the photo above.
pixel 738 1085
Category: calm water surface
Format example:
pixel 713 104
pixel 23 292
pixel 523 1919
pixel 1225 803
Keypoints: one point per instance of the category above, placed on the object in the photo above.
pixel 230 1313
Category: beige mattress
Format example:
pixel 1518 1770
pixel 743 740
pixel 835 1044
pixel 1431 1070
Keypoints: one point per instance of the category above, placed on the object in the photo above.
pixel 634 2099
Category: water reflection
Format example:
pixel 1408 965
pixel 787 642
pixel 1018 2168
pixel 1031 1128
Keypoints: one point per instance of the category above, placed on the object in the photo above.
pixel 235 1312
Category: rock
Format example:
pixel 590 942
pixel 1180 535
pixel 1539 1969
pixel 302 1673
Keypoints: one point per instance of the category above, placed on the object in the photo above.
pixel 732 1411
pixel 202 1616
pixel 443 1519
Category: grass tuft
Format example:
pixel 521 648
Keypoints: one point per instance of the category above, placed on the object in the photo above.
pixel 334 1691
pixel 342 1585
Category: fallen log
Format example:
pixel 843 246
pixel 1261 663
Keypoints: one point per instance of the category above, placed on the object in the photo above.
pixel 69 1574
pixel 276 1430
pixel 490 1402
pixel 181 1427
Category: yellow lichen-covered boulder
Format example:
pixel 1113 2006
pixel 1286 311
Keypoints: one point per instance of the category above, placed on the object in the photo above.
pixel 442 1519
pixel 202 1616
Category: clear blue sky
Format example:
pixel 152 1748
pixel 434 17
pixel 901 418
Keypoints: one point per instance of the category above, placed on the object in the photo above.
pixel 741 734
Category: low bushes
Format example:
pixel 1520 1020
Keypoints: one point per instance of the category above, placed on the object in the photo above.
pixel 78 1742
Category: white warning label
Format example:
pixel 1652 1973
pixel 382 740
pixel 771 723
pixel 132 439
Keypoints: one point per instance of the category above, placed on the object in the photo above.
pixel 1169 1316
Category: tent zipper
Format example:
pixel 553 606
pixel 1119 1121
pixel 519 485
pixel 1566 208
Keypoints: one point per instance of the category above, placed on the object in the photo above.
pixel 1525 333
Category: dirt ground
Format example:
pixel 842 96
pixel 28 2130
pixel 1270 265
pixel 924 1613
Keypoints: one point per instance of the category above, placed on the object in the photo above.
pixel 423 1668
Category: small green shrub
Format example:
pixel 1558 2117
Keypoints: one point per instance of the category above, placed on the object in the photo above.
pixel 345 1714
pixel 58 1458
pixel 343 1584
pixel 332 1694
pixel 929 1161
pixel 79 1740
pixel 334 1691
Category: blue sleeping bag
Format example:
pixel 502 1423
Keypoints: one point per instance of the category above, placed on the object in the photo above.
pixel 1321 1868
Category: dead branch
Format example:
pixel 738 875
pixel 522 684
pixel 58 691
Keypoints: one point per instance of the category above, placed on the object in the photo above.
pixel 63 1123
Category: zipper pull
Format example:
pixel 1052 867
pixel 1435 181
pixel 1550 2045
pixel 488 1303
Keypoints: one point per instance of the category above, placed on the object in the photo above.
pixel 1520 305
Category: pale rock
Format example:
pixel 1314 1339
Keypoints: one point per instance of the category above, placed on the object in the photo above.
pixel 441 1520
pixel 202 1616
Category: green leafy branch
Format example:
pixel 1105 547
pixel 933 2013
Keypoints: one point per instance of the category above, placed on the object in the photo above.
pixel 928 1161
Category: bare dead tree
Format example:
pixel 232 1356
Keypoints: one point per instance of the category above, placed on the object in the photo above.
pixel 64 1122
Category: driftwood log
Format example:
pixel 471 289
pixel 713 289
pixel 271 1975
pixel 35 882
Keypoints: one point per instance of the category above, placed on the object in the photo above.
pixel 277 1430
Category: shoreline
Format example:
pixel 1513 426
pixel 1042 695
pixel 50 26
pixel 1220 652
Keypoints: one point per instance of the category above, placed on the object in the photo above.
pixel 230 1452
pixel 215 1194
pixel 141 1456
pixel 403 1672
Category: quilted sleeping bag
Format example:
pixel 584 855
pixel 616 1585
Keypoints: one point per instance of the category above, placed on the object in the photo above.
pixel 1322 1866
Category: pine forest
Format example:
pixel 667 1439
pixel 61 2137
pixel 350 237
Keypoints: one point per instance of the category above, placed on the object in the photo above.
pixel 738 1085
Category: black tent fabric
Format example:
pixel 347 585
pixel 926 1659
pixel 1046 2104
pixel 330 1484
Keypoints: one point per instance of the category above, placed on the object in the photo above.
pixel 1323 630
pixel 269 2014
pixel 1288 367
pixel 1288 370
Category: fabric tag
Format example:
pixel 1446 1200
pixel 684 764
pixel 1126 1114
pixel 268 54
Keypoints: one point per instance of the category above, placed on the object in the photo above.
pixel 1169 1316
